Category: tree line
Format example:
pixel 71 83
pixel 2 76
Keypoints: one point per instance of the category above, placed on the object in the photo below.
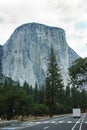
pixel 49 99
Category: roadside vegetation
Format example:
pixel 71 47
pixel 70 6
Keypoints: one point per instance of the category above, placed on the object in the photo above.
pixel 52 98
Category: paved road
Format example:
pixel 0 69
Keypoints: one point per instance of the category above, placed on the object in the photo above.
pixel 58 123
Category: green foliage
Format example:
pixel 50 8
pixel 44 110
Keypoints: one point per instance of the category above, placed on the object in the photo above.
pixel 24 104
pixel 59 108
pixel 36 92
pixel 50 98
pixel 14 100
pixel 42 95
pixel 39 109
pixel 26 87
pixel 83 100
pixel 54 84
pixel 75 97
pixel 67 100
pixel 78 72
pixel 78 76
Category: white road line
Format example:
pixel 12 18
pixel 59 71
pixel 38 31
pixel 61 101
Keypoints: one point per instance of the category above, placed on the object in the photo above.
pixel 76 124
pixel 60 121
pixel 82 122
pixel 46 122
pixel 37 123
pixel 60 118
pixel 9 128
pixel 53 122
pixel 46 127
pixel 69 122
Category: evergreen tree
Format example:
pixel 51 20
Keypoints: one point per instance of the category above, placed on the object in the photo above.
pixel 36 92
pixel 54 85
pixel 83 101
pixel 1 74
pixel 75 97
pixel 23 104
pixel 78 72
pixel 41 94
pixel 31 90
pixel 26 87
pixel 67 101
pixel 78 79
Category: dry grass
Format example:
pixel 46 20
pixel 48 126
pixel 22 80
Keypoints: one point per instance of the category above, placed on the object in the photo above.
pixel 32 118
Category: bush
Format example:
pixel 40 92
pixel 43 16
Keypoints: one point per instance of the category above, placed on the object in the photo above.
pixel 39 110
pixel 59 108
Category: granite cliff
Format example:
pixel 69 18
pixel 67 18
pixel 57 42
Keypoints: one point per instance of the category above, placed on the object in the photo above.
pixel 1 53
pixel 26 53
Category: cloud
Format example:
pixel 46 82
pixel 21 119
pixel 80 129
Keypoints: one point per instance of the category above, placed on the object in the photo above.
pixel 68 14
pixel 1 19
pixel 81 25
pixel 5 32
pixel 23 10
pixel 73 19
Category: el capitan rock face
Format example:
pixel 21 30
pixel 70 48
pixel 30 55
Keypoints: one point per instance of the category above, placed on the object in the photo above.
pixel 26 53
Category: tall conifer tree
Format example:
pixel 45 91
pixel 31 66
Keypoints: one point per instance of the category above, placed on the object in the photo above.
pixel 54 85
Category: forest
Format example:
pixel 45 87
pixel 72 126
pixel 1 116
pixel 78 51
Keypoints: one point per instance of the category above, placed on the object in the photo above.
pixel 52 98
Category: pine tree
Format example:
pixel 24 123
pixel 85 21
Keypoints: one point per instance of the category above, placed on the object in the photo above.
pixel 1 75
pixel 26 87
pixel 36 92
pixel 67 100
pixel 54 85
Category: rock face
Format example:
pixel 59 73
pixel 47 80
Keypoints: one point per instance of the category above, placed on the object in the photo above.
pixel 26 53
pixel 1 53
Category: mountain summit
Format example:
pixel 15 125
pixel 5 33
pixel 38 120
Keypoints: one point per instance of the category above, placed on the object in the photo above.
pixel 26 53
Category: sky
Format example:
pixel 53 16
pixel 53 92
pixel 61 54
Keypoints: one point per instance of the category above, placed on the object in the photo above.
pixel 71 15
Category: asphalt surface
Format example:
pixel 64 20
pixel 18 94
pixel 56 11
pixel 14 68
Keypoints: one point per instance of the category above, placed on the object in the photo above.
pixel 66 122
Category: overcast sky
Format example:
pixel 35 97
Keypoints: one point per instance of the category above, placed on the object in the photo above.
pixel 71 15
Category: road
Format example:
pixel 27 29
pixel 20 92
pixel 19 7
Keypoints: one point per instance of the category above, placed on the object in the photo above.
pixel 58 123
